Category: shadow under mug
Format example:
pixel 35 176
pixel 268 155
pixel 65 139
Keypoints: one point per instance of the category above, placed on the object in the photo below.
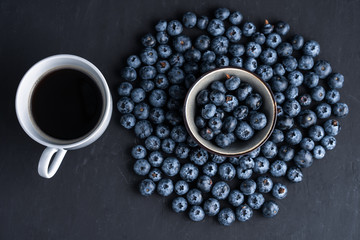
pixel 56 148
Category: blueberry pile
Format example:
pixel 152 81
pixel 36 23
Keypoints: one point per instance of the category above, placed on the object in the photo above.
pixel 152 95
pixel 224 115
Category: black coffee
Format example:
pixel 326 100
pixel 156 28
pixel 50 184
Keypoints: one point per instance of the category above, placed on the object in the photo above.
pixel 66 104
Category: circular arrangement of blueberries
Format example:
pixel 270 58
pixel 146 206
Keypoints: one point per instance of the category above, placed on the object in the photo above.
pixel 222 116
pixel 231 188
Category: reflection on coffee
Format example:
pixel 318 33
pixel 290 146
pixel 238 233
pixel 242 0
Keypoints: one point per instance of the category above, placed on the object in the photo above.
pixel 66 104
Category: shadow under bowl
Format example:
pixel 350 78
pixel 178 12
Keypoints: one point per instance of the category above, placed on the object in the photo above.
pixel 238 147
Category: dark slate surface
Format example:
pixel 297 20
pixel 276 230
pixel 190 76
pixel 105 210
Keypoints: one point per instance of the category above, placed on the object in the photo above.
pixel 94 196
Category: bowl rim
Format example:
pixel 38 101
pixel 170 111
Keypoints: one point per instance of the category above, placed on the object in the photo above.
pixel 260 143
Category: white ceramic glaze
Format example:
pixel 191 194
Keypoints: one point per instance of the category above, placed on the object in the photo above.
pixel 56 148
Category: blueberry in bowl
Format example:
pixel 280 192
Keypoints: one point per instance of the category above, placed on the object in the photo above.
pixel 237 110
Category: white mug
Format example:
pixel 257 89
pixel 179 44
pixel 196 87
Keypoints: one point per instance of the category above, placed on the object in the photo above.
pixel 57 148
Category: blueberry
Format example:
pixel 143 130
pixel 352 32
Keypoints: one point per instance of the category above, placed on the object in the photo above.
pixel 220 45
pixel 235 18
pixel 279 83
pixel 211 206
pixel 142 167
pixel 248 29
pixel 147 187
pixel 278 168
pixel 332 96
pixel 243 173
pixel 323 110
pixel 222 13
pixel 202 42
pixel 316 133
pixel 177 60
pixel 282 28
pixel 254 101
pixel 273 40
pixel 181 43
pixel 147 85
pixel 168 145
pixel 231 102
pixel 311 79
pixel 164 51
pixel 279 110
pixel 237 50
pixel 328 142
pixel 155 158
pixel 290 63
pixel 250 64
pixel 306 62
pixel 340 109
pixel 241 112
pixel 220 190
pixel 318 93
pixel 230 124
pixel 191 67
pixel 162 37
pixel 133 61
pixel 256 200
pixel 262 165
pixel 297 41
pixel 319 152
pixel 215 123
pixel 270 209
pixel 216 27
pixel 189 19
pixel 125 89
pixel 181 187
pixel 149 56
pixel 244 91
pixel 293 136
pixel 223 140
pixel 303 158
pixel 196 213
pixel 257 120
pixel 148 40
pixel 286 153
pixel 202 22
pixel 128 121
pixel 182 151
pixel 176 75
pixel 236 198
pixel 226 216
pixel 259 38
pixel 194 197
pixel 277 136
pixel 199 156
pixel 208 111
pixel 173 104
pixel 177 92
pixel 218 159
pixel 253 49
pixel 207 133
pixel 332 127
pixel 170 166
pixel 161 26
pixel 322 68
pixel 243 213
pixel 147 72
pixel 269 149
pixel 174 28
pixel 294 174
pixel 264 184
pixel 202 97
pixel 143 129
pixel 204 183
pixel 335 80
pixel 268 56
pixel 292 108
pixel 227 171
pixel 129 74
pixel 265 72
pixel 279 191
pixel 179 204
pixel 244 131
pixel 162 131
pixel 233 33
pixel 192 55
pixel 190 79
pixel 125 105
pixel 311 48
pixel 295 78
pixel 279 69
pixel 232 83
pixel 267 28
pixel 152 143
pixel 307 144
pixel 285 122
pixel 248 187
pixel 157 115
pixel 236 62
pixel 155 174
pixel 141 111
pixel 138 152
pixel 305 100
pixel 246 162
pixel 216 97
pixel 162 66
pixel 210 169
pixel 284 49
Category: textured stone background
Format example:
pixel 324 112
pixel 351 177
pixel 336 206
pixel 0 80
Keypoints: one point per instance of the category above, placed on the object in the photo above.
pixel 93 195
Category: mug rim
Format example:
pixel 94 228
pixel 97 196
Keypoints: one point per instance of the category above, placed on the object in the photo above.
pixel 88 138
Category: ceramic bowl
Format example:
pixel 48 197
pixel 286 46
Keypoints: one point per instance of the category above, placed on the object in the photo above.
pixel 238 147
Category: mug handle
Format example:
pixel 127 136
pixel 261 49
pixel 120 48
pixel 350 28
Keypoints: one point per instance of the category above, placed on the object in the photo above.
pixel 46 169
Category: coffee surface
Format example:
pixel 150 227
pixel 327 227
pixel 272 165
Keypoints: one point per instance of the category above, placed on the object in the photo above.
pixel 66 104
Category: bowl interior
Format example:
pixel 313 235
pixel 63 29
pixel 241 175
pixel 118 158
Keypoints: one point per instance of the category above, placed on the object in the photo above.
pixel 238 147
